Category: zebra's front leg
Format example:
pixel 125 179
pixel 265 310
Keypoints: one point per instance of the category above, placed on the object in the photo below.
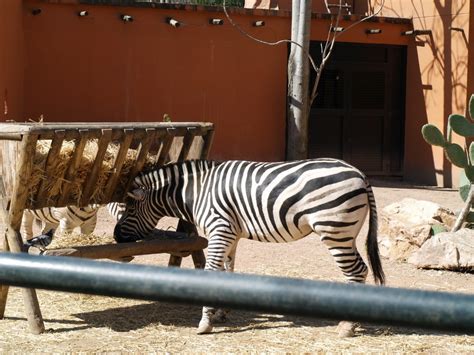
pixel 219 248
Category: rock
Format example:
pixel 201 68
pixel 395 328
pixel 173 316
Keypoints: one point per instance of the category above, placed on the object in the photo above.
pixel 450 251
pixel 406 225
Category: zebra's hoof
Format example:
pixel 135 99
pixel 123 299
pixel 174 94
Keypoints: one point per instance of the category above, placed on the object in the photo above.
pixel 204 327
pixel 220 316
pixel 346 329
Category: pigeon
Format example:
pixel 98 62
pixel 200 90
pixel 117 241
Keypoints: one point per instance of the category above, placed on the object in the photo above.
pixel 41 241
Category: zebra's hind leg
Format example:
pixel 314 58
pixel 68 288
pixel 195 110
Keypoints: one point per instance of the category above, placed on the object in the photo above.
pixel 221 314
pixel 219 247
pixel 344 251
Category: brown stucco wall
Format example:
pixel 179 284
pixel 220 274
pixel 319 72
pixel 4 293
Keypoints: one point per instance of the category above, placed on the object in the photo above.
pixel 437 82
pixel 11 60
pixel 439 78
pixel 100 69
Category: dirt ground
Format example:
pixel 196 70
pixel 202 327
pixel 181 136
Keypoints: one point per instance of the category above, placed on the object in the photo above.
pixel 84 323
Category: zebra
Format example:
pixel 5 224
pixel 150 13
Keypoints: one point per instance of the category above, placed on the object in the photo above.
pixel 66 219
pixel 268 202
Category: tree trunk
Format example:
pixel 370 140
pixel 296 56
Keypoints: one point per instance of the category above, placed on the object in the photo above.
pixel 298 81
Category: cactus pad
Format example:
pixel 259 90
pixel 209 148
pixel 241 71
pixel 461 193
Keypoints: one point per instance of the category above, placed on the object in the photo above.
pixel 433 135
pixel 456 155
pixel 461 125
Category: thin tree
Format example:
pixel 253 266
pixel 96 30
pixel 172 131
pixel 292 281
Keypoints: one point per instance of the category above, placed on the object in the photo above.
pixel 299 103
pixel 299 98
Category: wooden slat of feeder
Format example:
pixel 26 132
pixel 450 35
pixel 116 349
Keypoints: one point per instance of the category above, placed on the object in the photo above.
pixel 91 180
pixel 187 143
pixel 41 197
pixel 156 143
pixel 175 243
pixel 207 144
pixel 118 164
pixel 165 147
pixel 73 165
pixel 142 155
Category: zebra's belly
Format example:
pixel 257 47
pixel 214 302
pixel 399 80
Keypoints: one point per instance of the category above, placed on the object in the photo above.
pixel 276 236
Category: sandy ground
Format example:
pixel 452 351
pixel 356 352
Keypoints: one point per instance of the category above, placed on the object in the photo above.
pixel 84 323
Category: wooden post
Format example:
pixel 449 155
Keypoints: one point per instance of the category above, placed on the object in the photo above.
pixel 197 255
pixel 5 248
pixel 3 288
pixel 17 205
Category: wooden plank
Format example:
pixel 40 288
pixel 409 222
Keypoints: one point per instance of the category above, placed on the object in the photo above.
pixel 199 259
pixel 91 181
pixel 166 146
pixel 41 197
pixel 142 155
pixel 5 247
pixel 115 251
pixel 187 143
pixel 118 164
pixel 74 164
pixel 15 214
pixel 208 138
pixel 16 130
pixel 175 261
pixel 190 229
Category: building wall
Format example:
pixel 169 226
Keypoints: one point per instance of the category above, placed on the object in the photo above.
pixel 437 84
pixel 101 69
pixel 11 60
pixel 439 79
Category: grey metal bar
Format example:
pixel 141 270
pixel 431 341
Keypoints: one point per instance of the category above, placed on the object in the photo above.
pixel 382 305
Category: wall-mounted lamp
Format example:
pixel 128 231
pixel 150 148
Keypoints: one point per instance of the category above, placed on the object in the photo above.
pixel 346 7
pixel 171 21
pixel 126 18
pixel 337 29
pixel 216 21
pixel 258 24
pixel 83 13
pixel 373 31
pixel 35 12
pixel 416 32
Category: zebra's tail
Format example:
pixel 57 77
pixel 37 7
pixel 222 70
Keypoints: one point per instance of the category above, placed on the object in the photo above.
pixel 371 243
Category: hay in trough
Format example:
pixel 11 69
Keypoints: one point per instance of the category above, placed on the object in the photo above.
pixel 55 178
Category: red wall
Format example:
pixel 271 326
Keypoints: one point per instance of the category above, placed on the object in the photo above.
pixel 101 69
pixel 11 60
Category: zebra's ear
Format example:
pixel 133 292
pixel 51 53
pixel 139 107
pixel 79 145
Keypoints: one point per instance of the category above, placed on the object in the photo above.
pixel 137 194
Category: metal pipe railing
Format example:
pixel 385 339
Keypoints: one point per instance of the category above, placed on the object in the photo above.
pixel 382 305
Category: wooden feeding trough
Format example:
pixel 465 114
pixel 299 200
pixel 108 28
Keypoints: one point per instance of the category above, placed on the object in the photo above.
pixel 61 164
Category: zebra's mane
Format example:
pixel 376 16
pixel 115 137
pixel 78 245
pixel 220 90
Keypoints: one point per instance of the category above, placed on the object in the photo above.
pixel 146 179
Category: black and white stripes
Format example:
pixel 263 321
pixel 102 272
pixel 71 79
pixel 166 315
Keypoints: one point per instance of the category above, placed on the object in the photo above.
pixel 267 202
pixel 65 218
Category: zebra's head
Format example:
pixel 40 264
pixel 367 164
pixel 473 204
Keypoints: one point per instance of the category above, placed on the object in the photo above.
pixel 144 206
pixel 135 222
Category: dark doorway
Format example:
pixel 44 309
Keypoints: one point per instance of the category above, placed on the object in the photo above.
pixel 358 115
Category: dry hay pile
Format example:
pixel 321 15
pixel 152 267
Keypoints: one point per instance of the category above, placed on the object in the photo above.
pixel 54 186
pixel 66 240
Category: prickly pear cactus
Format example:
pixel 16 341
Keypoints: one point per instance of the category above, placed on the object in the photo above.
pixel 457 155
